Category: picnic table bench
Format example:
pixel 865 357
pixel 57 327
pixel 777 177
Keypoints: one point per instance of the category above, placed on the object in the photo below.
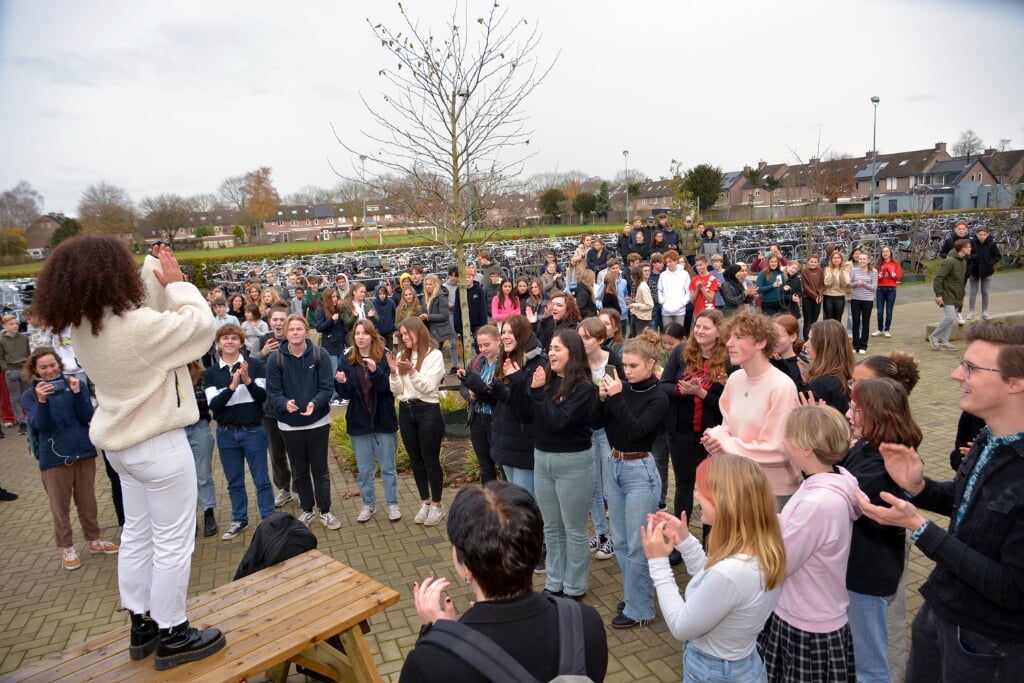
pixel 282 614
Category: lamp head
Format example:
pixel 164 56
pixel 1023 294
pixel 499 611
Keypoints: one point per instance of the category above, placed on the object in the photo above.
pixel 875 100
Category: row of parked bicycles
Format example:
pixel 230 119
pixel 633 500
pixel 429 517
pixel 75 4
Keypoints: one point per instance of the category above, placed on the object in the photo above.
pixel 525 257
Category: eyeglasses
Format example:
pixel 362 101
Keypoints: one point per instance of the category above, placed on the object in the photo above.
pixel 970 367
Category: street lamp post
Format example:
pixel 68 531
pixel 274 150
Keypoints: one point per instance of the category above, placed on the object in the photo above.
pixel 625 155
pixel 874 153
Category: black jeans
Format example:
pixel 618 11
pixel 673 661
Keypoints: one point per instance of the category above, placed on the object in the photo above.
pixel 860 311
pixel 942 651
pixel 834 307
pixel 280 473
pixel 811 311
pixel 659 450
pixel 687 452
pixel 421 425
pixel 480 436
pixel 307 451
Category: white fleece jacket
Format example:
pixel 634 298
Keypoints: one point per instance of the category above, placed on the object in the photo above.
pixel 138 363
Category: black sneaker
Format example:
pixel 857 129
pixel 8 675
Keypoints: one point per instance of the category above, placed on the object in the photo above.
pixel 22 428
pixel 621 621
pixel 554 594
pixel 454 370
pixel 7 495
pixel 209 523
pixel 542 564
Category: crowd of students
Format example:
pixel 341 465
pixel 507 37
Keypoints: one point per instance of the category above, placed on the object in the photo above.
pixel 758 407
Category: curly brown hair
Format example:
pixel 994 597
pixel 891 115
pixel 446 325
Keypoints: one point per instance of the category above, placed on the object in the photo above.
pixel 87 277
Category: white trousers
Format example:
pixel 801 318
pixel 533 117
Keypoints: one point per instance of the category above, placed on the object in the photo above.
pixel 158 480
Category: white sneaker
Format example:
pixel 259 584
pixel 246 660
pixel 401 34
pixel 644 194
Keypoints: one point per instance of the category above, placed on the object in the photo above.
pixel 985 316
pixel 421 516
pixel 306 518
pixel 366 513
pixel 394 513
pixel 329 520
pixel 283 496
pixel 970 316
pixel 434 515
pixel 606 550
pixel 960 319
pixel 887 334
pixel 876 333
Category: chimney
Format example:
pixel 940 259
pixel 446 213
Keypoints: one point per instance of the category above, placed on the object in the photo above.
pixel 761 164
pixel 990 152
pixel 867 155
pixel 746 168
pixel 940 146
pixel 813 161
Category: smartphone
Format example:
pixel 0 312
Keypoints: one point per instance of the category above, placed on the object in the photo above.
pixel 610 371
pixel 59 385
pixel 804 357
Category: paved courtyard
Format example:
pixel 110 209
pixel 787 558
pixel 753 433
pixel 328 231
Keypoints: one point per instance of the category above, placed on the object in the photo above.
pixel 44 609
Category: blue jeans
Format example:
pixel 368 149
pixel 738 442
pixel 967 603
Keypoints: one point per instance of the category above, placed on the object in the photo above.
pixel 200 440
pixel 519 476
pixel 602 450
pixel 334 371
pixel 381 447
pixel 849 318
pixel 633 488
pixel 703 668
pixel 870 632
pixel 941 651
pixel 945 326
pixel 885 298
pixel 563 484
pixel 238 447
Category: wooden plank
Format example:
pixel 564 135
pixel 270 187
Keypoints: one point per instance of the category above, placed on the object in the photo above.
pixel 360 657
pixel 104 664
pixel 258 615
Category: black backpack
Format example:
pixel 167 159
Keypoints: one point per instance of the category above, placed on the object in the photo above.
pixel 278 538
pixel 498 666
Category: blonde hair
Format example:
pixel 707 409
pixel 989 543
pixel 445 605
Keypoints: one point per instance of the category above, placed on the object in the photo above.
pixel 822 429
pixel 427 298
pixel 745 517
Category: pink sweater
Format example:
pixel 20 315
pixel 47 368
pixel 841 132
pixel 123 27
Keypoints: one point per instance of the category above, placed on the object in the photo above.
pixel 754 413
pixel 499 312
pixel 817 524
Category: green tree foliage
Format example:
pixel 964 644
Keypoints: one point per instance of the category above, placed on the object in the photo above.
pixel 204 231
pixel 239 233
pixel 704 183
pixel 602 203
pixel 583 204
pixel 12 242
pixel 770 184
pixel 67 229
pixel 548 203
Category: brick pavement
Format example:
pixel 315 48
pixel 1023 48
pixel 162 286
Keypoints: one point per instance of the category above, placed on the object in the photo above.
pixel 44 609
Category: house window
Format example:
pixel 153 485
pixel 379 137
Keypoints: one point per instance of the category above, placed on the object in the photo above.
pixel 892 206
pixel 757 193
pixel 890 183
pixel 307 221
pixel 280 223
pixel 295 223
pixel 938 203
pixel 776 192
pixel 316 221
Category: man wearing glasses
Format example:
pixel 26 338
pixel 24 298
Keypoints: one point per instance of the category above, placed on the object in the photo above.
pixel 970 627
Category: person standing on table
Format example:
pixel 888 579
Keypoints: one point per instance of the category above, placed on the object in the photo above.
pixel 135 335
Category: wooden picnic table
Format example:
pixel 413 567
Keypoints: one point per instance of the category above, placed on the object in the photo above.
pixel 282 614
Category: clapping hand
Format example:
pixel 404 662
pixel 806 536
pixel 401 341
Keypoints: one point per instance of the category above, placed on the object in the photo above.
pixel 539 379
pixel 427 598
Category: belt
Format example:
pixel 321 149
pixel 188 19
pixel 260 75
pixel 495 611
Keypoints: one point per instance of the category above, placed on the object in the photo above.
pixel 630 455
pixel 232 425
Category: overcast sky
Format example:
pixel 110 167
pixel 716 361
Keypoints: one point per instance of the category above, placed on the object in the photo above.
pixel 176 96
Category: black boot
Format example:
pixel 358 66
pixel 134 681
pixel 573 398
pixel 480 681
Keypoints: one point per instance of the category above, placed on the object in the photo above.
pixel 209 523
pixel 144 638
pixel 182 643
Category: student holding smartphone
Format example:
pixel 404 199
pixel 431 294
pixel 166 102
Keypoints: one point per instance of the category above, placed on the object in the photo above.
pixel 632 412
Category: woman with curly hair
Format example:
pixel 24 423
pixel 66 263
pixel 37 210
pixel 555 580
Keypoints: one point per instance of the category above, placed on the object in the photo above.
pixel 562 315
pixel 693 378
pixel 135 333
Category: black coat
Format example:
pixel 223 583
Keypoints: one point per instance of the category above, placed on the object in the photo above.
pixel 983 259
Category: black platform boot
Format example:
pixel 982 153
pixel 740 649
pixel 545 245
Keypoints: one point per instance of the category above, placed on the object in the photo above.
pixel 183 643
pixel 145 636
pixel 209 523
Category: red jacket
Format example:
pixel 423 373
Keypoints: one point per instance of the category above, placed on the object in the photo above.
pixel 889 274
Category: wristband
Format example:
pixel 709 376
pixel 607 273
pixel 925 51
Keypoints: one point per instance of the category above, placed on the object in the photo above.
pixel 916 534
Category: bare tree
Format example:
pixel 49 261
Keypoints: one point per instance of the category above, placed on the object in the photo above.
pixel 452 117
pixel 19 206
pixel 231 194
pixel 106 209
pixel 311 194
pixel 165 213
pixel 206 202
pixel 968 145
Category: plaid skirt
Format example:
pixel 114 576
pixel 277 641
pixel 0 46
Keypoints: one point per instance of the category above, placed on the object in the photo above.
pixel 794 656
